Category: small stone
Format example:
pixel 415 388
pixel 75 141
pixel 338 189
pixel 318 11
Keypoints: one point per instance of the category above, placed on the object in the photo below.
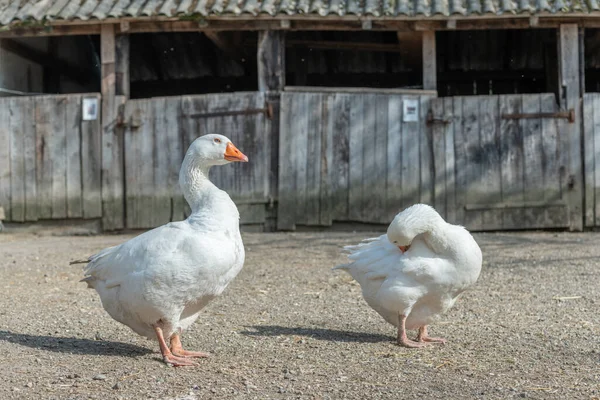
pixel 99 377
pixel 29 385
pixel 16 389
pixel 116 386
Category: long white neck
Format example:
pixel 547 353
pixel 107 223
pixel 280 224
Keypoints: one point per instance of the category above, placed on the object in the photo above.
pixel 211 207
pixel 194 183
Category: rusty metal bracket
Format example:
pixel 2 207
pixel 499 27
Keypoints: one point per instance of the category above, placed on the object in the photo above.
pixel 267 110
pixel 430 120
pixel 568 115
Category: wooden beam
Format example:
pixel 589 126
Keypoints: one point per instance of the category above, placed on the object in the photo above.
pixel 47 60
pixel 299 22
pixel 271 61
pixel 112 137
pixel 570 96
pixel 429 61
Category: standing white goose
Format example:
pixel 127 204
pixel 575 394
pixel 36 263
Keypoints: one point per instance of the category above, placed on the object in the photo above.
pixel 157 282
pixel 416 271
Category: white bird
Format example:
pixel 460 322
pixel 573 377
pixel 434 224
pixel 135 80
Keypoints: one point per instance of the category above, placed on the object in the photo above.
pixel 416 271
pixel 157 282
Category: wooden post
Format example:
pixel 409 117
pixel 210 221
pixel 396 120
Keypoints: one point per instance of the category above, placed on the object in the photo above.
pixel 429 61
pixel 112 138
pixel 122 65
pixel 570 97
pixel 271 80
pixel 271 61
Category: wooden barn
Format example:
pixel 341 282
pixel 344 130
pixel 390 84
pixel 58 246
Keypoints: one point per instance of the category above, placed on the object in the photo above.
pixel 348 110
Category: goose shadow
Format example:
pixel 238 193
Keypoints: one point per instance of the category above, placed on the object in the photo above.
pixel 71 345
pixel 331 335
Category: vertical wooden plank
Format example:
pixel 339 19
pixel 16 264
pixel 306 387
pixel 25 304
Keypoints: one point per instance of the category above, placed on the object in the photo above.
pixel 490 161
pixel 43 124
pixel 393 193
pixel 429 61
pixel 450 169
pixel 146 161
pixel 74 156
pixel 438 132
pixel 370 187
pixel 314 112
pixel 5 157
pixel 130 151
pixel 91 165
pixel 339 118
pixel 473 160
pixel 462 166
pixel 425 154
pixel 550 161
pixel 411 171
pixel 286 204
pixel 570 81
pixel 511 161
pixel 29 145
pixel 532 150
pixel 596 130
pixel 17 161
pixel 589 158
pixel 355 191
pixel 300 146
pixel 58 151
pixel 377 213
pixel 326 160
pixel 175 156
pixel 161 194
pixel 112 136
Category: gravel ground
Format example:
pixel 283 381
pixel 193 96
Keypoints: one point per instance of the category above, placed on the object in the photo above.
pixel 290 328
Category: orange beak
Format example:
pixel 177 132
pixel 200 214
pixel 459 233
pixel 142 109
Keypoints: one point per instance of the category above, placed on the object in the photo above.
pixel 403 248
pixel 233 154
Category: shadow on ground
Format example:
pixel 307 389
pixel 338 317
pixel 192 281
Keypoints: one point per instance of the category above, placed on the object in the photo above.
pixel 332 335
pixel 74 345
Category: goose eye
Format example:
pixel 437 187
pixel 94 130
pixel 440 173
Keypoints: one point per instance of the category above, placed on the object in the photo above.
pixel 395 241
pixel 217 140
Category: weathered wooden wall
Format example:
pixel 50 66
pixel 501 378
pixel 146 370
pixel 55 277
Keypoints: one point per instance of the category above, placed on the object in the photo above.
pixel 49 158
pixel 591 132
pixel 496 173
pixel 350 157
pixel 157 135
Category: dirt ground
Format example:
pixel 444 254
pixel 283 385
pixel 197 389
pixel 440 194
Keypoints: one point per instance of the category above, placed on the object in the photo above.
pixel 290 328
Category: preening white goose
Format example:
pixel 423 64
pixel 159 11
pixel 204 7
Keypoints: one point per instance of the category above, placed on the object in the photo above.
pixel 416 271
pixel 157 282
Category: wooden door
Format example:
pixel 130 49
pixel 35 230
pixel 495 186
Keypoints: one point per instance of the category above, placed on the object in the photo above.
pixel 498 168
pixel 351 156
pixel 158 133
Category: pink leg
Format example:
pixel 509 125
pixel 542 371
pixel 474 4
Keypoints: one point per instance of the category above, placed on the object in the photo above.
pixel 403 340
pixel 423 337
pixel 178 350
pixel 169 357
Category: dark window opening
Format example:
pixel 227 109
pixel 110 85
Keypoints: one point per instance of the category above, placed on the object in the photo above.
pixel 592 60
pixel 50 65
pixel 169 64
pixel 354 59
pixel 497 62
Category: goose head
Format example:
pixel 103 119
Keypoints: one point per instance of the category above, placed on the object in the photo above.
pixel 411 222
pixel 214 149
